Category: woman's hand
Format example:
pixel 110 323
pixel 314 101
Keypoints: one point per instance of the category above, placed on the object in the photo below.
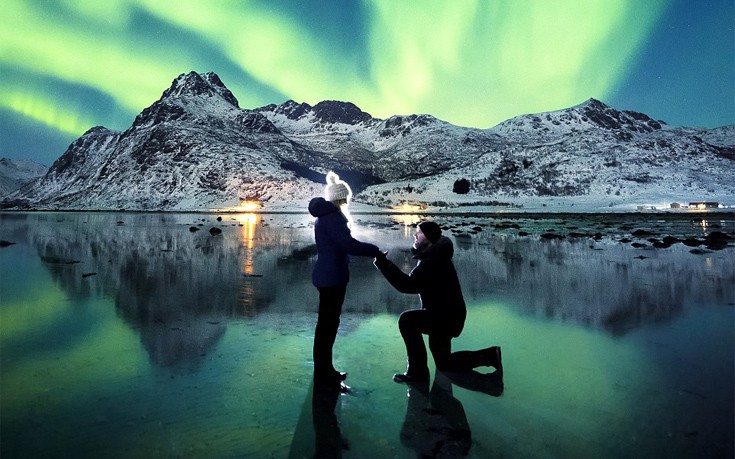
pixel 381 259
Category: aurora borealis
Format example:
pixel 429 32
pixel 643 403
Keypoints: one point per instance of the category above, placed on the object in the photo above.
pixel 68 65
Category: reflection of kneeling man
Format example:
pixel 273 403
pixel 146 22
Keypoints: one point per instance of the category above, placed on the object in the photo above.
pixel 443 312
pixel 435 423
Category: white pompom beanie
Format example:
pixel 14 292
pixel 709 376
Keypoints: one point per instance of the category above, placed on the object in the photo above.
pixel 336 189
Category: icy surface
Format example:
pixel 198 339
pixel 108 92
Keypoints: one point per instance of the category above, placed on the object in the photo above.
pixel 130 335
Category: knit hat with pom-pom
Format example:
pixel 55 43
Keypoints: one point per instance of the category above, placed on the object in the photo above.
pixel 336 189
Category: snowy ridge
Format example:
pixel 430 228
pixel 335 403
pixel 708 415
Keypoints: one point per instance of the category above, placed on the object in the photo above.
pixel 15 173
pixel 590 116
pixel 196 149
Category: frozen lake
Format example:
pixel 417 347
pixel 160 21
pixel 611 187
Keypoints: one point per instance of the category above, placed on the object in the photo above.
pixel 129 335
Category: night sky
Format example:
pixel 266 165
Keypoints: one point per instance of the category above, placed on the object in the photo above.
pixel 68 65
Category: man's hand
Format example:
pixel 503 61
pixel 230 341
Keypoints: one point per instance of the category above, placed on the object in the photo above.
pixel 382 259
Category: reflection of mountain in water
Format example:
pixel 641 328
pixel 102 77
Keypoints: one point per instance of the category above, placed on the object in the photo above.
pixel 180 288
pixel 177 287
pixel 602 284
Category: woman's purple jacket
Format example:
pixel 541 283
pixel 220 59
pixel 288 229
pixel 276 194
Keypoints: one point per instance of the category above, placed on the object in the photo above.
pixel 334 244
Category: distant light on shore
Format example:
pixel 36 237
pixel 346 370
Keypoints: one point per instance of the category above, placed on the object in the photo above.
pixel 407 208
pixel 249 206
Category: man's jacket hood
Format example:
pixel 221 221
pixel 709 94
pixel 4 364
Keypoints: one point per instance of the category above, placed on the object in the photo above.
pixel 441 250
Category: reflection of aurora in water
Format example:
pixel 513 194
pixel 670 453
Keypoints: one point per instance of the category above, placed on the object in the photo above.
pixel 186 343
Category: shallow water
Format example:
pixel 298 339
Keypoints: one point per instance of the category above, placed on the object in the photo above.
pixel 128 335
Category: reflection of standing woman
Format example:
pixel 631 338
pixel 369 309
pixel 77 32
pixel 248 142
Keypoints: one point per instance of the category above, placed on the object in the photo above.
pixel 334 244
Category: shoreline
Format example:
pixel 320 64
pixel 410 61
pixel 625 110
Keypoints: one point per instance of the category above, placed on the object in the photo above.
pixel 677 213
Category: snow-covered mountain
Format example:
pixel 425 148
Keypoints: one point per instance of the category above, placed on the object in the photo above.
pixel 14 173
pixel 196 149
pixel 595 156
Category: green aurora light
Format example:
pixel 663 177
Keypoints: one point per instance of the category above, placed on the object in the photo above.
pixel 471 63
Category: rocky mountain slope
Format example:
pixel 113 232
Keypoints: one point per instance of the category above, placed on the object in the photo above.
pixel 196 149
pixel 15 173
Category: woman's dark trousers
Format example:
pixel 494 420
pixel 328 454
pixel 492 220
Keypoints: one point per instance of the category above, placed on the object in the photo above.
pixel 330 308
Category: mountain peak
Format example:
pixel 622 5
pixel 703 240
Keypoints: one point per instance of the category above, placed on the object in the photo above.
pixel 607 117
pixel 593 104
pixel 327 111
pixel 195 84
pixel 201 89
pixel 290 109
pixel 590 114
pixel 332 111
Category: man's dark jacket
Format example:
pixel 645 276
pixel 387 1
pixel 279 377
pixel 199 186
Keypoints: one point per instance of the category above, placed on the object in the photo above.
pixel 335 244
pixel 435 280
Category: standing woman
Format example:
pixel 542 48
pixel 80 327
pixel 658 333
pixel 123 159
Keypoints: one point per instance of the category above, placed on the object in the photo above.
pixel 334 244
